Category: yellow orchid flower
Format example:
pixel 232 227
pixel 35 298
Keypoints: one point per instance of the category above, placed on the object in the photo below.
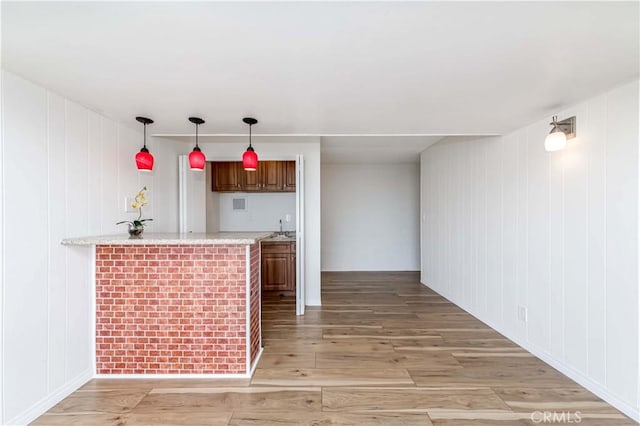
pixel 140 200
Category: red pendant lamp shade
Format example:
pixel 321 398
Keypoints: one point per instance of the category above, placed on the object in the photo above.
pixel 197 159
pixel 250 158
pixel 144 159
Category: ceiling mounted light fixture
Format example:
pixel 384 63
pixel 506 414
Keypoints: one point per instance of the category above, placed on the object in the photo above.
pixel 144 159
pixel 196 157
pixel 250 158
pixel 560 132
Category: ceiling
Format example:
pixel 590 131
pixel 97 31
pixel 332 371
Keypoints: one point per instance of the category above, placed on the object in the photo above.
pixel 419 69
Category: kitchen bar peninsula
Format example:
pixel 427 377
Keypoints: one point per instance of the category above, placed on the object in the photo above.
pixel 176 304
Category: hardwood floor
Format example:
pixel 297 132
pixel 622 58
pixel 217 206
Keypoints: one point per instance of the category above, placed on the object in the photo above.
pixel 382 350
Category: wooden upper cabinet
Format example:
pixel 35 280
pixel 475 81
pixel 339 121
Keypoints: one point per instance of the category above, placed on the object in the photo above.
pixel 251 181
pixel 270 176
pixel 290 176
pixel 226 176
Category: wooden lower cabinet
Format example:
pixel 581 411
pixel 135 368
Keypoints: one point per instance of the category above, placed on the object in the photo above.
pixel 275 272
pixel 279 267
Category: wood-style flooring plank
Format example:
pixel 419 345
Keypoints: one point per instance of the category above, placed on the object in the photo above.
pixel 100 401
pixel 408 399
pixel 288 360
pixel 231 399
pixel 331 377
pixel 329 419
pixel 435 361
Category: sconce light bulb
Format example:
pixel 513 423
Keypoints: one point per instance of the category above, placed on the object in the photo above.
pixel 555 141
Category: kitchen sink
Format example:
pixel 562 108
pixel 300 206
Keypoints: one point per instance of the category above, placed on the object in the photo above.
pixel 283 235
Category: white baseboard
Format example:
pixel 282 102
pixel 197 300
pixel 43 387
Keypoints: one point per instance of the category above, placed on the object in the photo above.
pixel 46 403
pixel 566 369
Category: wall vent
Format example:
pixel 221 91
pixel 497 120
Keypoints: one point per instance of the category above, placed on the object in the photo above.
pixel 240 204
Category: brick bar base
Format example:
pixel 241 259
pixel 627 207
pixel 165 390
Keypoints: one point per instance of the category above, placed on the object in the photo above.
pixel 177 309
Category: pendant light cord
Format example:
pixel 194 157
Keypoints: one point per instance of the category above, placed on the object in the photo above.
pixel 144 142
pixel 250 126
pixel 197 125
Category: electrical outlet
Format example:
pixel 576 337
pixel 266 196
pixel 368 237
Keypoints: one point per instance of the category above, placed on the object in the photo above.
pixel 127 205
pixel 522 313
pixel 287 218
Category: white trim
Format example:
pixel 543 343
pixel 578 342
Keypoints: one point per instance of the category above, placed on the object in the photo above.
pixel 172 376
pixel 247 324
pixel 301 298
pixel 183 198
pixel 255 364
pixel 578 377
pixel 245 135
pixel 93 284
pixel 260 296
pixel 637 418
pixel 2 248
pixel 42 406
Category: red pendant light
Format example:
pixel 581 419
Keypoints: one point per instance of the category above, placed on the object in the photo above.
pixel 250 158
pixel 144 159
pixel 197 159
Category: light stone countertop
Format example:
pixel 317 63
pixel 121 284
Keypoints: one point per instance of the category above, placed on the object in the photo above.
pixel 169 238
pixel 280 239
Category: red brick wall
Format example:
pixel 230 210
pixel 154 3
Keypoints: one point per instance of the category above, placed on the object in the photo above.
pixel 171 309
pixel 255 302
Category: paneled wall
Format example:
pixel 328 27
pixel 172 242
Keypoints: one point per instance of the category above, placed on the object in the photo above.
pixel 66 172
pixel 507 225
pixel 370 217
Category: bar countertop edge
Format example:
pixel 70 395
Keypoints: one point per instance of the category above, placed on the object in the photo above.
pixel 169 239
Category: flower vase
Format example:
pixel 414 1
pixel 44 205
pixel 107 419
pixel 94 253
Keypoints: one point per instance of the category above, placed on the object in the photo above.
pixel 135 231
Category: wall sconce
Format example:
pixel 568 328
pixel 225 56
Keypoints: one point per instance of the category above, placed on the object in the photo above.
pixel 196 157
pixel 560 132
pixel 144 159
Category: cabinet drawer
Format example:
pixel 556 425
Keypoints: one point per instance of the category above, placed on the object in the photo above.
pixel 273 247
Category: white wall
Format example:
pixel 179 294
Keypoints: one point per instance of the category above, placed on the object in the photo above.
pixel 271 148
pixel 264 211
pixel 507 224
pixel 370 219
pixel 66 171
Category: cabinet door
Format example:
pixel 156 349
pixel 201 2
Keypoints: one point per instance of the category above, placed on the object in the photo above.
pixel 275 272
pixel 290 176
pixel 251 181
pixel 225 176
pixel 272 177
